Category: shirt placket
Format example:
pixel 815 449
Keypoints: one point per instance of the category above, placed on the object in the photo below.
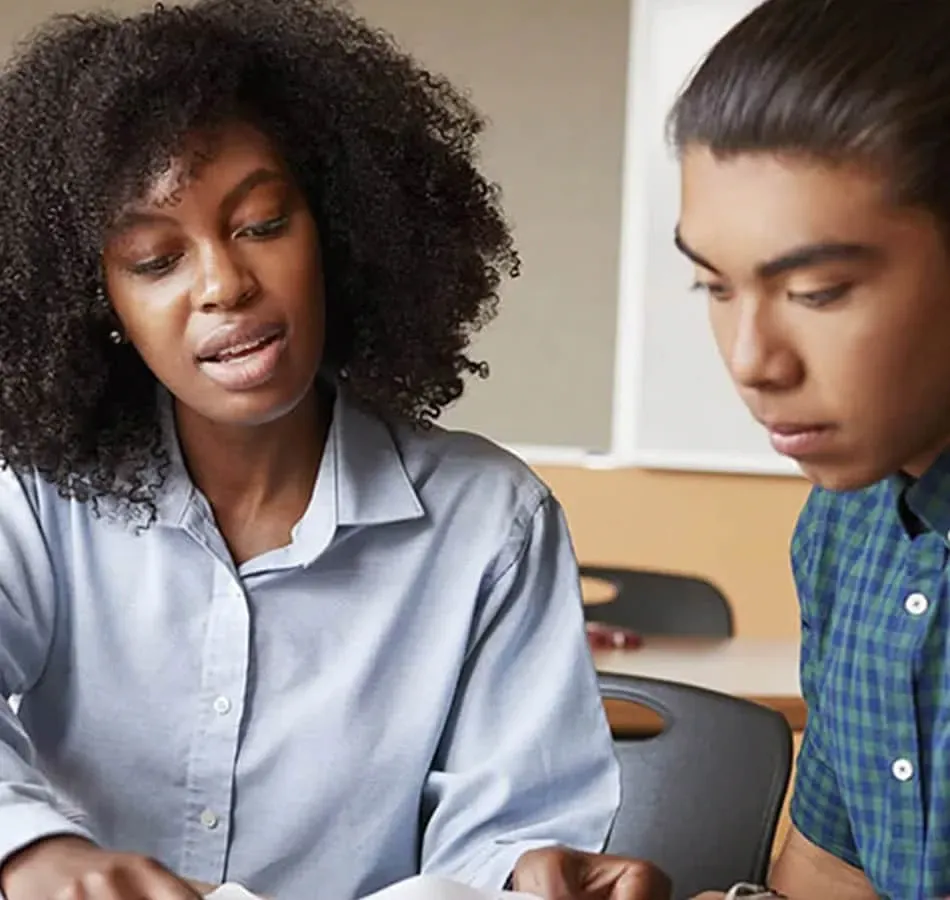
pixel 929 562
pixel 214 743
pixel 907 778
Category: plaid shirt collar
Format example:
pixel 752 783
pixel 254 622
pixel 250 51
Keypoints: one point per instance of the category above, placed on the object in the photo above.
pixel 927 498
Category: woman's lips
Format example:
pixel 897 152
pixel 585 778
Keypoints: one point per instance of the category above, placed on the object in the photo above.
pixel 230 338
pixel 245 366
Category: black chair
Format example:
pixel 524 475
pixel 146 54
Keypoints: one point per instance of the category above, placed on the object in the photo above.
pixel 660 603
pixel 701 799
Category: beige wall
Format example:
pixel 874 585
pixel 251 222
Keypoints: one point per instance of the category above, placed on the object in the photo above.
pixel 551 77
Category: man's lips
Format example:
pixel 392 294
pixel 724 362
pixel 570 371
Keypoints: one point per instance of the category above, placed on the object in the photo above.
pixel 797 439
pixel 234 339
pixel 792 427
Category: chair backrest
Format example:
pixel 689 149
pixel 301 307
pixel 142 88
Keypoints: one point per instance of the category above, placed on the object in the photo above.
pixel 660 603
pixel 702 799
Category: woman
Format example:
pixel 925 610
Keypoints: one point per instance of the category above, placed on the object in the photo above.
pixel 266 623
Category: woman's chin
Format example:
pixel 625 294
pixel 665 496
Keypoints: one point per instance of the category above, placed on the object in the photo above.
pixel 245 408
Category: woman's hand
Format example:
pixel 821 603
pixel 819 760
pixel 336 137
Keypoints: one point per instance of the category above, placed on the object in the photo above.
pixel 70 868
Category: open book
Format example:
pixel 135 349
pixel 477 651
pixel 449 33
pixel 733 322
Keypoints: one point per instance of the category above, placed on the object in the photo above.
pixel 421 887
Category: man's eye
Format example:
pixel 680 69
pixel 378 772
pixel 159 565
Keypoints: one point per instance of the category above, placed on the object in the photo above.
pixel 822 297
pixel 712 290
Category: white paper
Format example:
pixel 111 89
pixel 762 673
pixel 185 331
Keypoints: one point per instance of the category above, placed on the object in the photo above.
pixel 433 887
pixel 421 887
pixel 231 892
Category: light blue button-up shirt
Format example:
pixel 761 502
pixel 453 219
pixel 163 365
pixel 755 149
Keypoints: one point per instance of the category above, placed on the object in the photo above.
pixel 405 687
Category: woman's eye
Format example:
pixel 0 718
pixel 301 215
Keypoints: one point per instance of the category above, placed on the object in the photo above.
pixel 822 297
pixel 270 228
pixel 157 265
pixel 712 290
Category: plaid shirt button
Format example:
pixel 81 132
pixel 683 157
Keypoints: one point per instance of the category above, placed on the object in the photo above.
pixel 902 769
pixel 916 604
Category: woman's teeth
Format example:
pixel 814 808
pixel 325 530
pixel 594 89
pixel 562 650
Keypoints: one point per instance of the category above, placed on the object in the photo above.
pixel 240 350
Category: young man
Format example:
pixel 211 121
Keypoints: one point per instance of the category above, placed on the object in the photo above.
pixel 815 147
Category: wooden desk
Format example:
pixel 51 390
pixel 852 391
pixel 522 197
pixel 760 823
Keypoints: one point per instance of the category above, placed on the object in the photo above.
pixel 765 671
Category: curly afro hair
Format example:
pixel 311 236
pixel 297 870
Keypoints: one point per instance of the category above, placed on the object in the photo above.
pixel 413 239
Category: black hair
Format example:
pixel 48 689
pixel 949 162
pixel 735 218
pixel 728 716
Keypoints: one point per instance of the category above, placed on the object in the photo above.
pixel 841 81
pixel 413 240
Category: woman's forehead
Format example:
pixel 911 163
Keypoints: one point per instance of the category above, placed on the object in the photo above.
pixel 225 154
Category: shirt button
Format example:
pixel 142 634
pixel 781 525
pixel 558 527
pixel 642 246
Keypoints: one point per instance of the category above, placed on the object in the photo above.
pixel 916 604
pixel 902 769
pixel 222 706
pixel 209 819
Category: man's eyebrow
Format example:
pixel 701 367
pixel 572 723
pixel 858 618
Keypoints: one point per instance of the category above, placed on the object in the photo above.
pixel 809 255
pixel 804 257
pixel 692 255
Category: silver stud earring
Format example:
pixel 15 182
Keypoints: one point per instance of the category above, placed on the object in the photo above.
pixel 116 336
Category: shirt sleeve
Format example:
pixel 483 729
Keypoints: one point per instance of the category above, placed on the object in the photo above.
pixel 817 809
pixel 526 759
pixel 29 808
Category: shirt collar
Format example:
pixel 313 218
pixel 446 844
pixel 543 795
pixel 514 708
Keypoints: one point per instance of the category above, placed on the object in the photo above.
pixel 362 478
pixel 928 497
pixel 373 485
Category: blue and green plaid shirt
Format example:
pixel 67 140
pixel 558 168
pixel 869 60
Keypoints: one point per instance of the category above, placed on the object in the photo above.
pixel 873 782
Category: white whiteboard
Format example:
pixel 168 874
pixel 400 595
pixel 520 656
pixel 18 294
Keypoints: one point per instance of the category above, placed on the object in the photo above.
pixel 675 405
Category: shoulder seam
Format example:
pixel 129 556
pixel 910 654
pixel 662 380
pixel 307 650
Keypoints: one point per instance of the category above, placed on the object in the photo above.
pixel 523 520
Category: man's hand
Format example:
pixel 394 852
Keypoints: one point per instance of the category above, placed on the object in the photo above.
pixel 558 873
pixel 69 867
